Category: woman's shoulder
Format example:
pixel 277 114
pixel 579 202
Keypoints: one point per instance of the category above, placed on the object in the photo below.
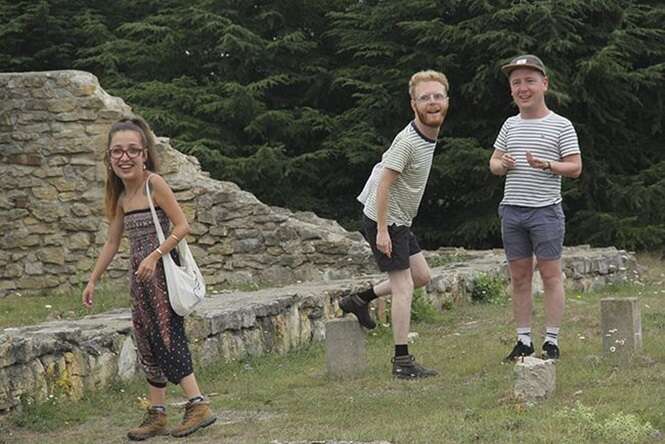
pixel 157 182
pixel 154 177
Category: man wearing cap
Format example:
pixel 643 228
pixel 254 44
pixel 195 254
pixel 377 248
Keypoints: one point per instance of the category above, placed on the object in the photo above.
pixel 533 150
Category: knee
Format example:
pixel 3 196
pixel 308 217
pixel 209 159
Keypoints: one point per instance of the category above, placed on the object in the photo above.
pixel 551 279
pixel 521 284
pixel 550 272
pixel 422 279
pixel 521 281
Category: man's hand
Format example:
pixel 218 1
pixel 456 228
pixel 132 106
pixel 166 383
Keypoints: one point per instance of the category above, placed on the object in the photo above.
pixel 537 163
pixel 507 161
pixel 383 242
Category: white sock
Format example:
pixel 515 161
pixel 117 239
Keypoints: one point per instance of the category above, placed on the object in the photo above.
pixel 524 335
pixel 552 335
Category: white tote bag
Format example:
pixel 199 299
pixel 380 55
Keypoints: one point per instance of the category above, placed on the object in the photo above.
pixel 371 183
pixel 185 283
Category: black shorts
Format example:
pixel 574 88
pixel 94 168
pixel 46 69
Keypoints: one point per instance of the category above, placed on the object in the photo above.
pixel 404 244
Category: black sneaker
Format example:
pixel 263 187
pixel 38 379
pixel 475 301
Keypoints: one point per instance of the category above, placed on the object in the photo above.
pixel 356 305
pixel 520 350
pixel 406 367
pixel 550 351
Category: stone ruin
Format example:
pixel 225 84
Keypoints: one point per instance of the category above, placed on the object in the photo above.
pixel 52 135
pixel 53 128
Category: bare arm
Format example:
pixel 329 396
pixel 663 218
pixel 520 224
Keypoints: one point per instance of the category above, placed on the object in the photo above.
pixel 164 198
pixel 109 250
pixel 501 162
pixel 383 242
pixel 569 166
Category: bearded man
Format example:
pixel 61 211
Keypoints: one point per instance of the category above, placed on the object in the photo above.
pixel 391 198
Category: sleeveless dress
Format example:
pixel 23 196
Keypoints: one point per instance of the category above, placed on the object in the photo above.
pixel 158 331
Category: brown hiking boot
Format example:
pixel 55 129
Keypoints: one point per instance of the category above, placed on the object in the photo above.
pixel 197 416
pixel 154 423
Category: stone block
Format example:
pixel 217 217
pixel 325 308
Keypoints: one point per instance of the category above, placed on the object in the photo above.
pixel 346 349
pixel 621 327
pixel 535 379
pixel 127 360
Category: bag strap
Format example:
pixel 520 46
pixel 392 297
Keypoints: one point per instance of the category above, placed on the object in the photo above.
pixel 155 219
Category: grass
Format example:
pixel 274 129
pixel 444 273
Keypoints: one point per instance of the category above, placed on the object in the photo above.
pixel 17 309
pixel 290 398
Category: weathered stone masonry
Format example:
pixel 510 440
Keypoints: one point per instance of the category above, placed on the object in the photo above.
pixel 53 128
pixel 52 132
pixel 72 357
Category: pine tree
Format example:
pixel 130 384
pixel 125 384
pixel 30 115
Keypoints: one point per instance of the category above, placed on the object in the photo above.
pixel 295 100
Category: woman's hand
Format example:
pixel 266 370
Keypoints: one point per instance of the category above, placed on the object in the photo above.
pixel 146 269
pixel 88 295
pixel 147 266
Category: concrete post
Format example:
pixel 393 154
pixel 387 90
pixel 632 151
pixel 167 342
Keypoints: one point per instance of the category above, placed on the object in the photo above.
pixel 346 349
pixel 621 327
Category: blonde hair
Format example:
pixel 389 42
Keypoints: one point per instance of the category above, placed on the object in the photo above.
pixel 114 186
pixel 426 76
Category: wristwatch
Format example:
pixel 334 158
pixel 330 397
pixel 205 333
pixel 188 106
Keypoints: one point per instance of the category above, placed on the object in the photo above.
pixel 548 166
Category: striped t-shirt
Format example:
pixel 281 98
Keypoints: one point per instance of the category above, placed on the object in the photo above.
pixel 549 138
pixel 411 155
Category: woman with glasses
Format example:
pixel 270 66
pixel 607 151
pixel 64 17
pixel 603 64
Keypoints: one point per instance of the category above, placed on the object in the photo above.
pixel 158 331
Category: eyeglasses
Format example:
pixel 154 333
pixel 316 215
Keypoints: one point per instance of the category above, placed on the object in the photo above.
pixel 436 97
pixel 132 152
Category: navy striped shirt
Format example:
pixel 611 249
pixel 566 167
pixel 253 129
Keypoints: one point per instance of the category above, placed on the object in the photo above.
pixel 549 138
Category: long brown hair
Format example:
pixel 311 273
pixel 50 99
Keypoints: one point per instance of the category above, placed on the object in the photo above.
pixel 114 186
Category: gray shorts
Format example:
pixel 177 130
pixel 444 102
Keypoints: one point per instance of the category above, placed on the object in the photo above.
pixel 527 231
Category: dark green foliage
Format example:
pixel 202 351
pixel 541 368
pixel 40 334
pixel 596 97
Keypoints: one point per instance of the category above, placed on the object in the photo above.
pixel 422 309
pixel 488 289
pixel 295 100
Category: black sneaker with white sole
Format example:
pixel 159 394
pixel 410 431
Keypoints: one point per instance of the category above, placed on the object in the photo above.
pixel 406 367
pixel 550 351
pixel 519 351
pixel 356 305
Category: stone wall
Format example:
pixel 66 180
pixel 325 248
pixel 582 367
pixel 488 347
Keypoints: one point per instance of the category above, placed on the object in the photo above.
pixel 72 357
pixel 53 127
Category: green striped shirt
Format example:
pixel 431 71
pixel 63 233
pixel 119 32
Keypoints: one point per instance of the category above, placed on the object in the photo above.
pixel 411 155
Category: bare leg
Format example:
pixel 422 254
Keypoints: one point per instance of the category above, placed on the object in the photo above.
pixel 190 386
pixel 555 299
pixel 420 274
pixel 521 273
pixel 401 285
pixel 156 395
